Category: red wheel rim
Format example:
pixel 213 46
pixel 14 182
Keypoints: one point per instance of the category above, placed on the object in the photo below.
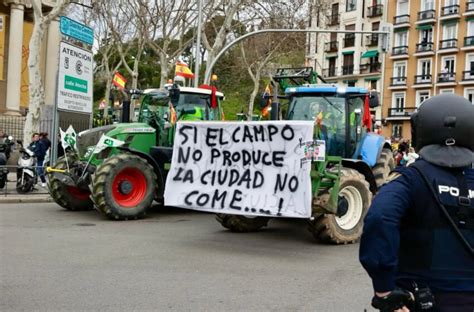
pixel 129 187
pixel 78 193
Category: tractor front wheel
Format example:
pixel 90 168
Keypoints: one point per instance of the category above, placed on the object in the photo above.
pixel 69 197
pixel 354 200
pixel 242 224
pixel 124 187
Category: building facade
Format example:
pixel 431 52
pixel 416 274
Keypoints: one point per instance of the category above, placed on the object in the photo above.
pixel 432 53
pixel 349 59
pixel 16 25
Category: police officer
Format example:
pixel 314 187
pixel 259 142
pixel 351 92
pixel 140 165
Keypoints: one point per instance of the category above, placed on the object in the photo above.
pixel 418 239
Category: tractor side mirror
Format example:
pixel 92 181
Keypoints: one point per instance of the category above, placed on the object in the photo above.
pixel 374 99
pixel 174 95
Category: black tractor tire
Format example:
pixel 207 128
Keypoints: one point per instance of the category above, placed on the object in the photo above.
pixel 123 187
pixel 385 164
pixel 242 224
pixel 329 228
pixel 69 197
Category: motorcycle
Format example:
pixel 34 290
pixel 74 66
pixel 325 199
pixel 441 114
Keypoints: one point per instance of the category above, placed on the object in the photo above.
pixel 26 172
pixel 5 149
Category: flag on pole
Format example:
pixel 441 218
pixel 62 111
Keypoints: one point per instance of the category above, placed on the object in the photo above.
pixel 183 70
pixel 367 118
pixel 68 138
pixel 119 81
pixel 266 101
pixel 106 141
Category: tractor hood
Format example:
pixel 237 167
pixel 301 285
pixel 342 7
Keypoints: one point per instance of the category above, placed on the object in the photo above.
pixel 89 138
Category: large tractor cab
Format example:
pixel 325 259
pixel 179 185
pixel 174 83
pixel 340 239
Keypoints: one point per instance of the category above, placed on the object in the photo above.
pixel 356 161
pixel 122 179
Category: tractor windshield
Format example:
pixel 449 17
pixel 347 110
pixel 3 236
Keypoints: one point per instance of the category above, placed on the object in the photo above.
pixel 153 104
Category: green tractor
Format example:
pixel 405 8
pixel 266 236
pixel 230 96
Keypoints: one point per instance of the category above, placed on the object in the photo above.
pixel 122 180
pixel 357 162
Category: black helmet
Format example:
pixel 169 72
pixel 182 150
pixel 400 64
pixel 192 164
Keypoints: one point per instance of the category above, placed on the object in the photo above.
pixel 443 131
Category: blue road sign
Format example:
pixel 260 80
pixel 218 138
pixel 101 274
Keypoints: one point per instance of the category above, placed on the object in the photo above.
pixel 76 30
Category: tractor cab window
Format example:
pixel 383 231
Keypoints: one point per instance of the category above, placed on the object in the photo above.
pixel 193 106
pixel 356 131
pixel 328 114
pixel 153 106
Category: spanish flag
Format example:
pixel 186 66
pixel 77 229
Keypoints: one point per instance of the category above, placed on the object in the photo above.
pixel 119 81
pixel 183 70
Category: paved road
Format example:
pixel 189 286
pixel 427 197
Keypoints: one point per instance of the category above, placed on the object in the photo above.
pixel 175 260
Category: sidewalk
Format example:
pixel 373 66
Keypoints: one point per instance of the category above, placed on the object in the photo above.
pixel 9 194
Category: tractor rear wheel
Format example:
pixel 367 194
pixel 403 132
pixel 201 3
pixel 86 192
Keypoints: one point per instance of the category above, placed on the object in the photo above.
pixel 242 224
pixel 385 164
pixel 124 187
pixel 355 197
pixel 69 197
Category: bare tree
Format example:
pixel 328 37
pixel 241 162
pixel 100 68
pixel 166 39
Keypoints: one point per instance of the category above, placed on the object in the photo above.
pixel 168 22
pixel 36 87
pixel 257 52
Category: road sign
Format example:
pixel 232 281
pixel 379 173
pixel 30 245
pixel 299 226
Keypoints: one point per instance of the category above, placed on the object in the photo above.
pixel 75 79
pixel 76 30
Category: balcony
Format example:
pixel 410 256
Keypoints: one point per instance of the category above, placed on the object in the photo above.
pixel 331 46
pixel 427 15
pixel 469 8
pixel 423 79
pixel 370 68
pixel 333 20
pixel 401 20
pixel 469 41
pixel 348 69
pixel 424 47
pixel 349 40
pixel 468 75
pixel 329 72
pixel 375 10
pixel 400 50
pixel 450 10
pixel 398 81
pixel 448 44
pixel 401 112
pixel 372 40
pixel 447 77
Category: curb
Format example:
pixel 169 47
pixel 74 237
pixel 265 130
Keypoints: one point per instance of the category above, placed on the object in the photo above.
pixel 25 200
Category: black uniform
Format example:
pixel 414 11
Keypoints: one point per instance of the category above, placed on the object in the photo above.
pixel 419 231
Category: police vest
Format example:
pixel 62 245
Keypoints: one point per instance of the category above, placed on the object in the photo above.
pixel 430 248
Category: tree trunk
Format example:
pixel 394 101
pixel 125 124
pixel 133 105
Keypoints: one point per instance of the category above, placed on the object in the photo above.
pixel 108 85
pixel 164 69
pixel 254 93
pixel 36 89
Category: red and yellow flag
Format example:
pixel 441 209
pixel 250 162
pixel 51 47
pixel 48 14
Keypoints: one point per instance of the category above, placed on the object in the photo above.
pixel 183 70
pixel 119 81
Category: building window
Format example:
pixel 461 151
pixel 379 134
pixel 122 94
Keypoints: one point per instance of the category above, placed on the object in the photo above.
pixel 351 83
pixel 424 71
pixel 449 31
pixel 373 85
pixel 402 7
pixel 422 96
pixel 351 5
pixel 427 5
pixel 398 103
pixel 397 130
pixel 469 94
pixel 401 39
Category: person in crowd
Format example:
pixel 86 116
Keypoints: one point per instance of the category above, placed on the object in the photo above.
pixel 40 152
pixel 418 238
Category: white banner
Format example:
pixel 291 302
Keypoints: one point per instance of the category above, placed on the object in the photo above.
pixel 75 79
pixel 247 168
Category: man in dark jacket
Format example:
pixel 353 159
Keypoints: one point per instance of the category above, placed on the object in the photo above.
pixel 39 149
pixel 418 239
